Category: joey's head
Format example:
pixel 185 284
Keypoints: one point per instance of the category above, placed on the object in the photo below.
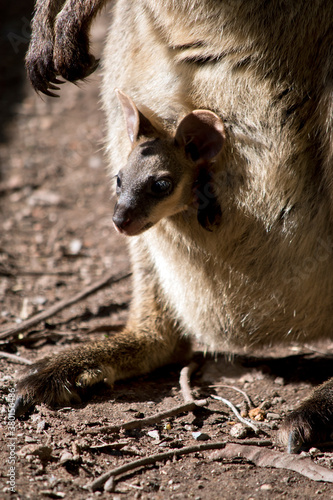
pixel 159 178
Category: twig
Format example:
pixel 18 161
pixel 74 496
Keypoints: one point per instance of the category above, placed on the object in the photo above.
pixel 15 359
pixel 100 481
pixel 152 459
pixel 236 412
pixel 153 419
pixel 36 272
pixel 62 304
pixel 246 396
pixel 184 381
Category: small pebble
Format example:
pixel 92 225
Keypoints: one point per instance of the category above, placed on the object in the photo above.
pixel 200 436
pixel 65 457
pixel 29 439
pixel 278 400
pixel 154 434
pixel 239 431
pixel 39 300
pixel 273 416
pixel 41 426
pixel 266 487
pixel 52 494
pixel 75 247
pixel 265 405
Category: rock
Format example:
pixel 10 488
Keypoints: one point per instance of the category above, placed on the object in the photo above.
pixel 65 458
pixel 266 487
pixel 154 434
pixel 273 416
pixel 200 436
pixel 239 431
pixel 53 494
pixel 41 426
pixel 75 247
pixel 29 439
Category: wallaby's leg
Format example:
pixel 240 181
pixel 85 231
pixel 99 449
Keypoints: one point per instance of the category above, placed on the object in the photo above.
pixel 312 421
pixel 60 42
pixel 151 339
pixel 39 58
pixel 71 45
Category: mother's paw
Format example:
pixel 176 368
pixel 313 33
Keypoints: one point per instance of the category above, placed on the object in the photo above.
pixel 312 422
pixel 40 68
pixel 60 380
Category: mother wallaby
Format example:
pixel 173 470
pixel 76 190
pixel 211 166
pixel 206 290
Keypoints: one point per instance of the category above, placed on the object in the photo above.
pixel 263 271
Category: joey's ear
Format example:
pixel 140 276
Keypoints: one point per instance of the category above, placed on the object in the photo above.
pixel 137 124
pixel 202 134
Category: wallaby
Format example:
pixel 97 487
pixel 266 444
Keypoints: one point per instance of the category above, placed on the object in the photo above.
pixel 254 269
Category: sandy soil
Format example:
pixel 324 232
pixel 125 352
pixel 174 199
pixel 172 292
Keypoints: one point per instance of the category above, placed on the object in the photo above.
pixel 56 239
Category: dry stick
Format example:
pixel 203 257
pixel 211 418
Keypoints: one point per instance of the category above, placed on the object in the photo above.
pixel 153 419
pixel 184 381
pixel 218 445
pixel 20 272
pixel 100 481
pixel 189 405
pixel 108 479
pixel 62 304
pixel 236 412
pixel 246 396
pixel 15 359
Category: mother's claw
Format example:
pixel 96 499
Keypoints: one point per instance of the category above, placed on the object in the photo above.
pixel 295 441
pixel 22 406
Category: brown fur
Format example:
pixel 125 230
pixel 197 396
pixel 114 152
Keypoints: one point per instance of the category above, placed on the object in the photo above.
pixel 264 275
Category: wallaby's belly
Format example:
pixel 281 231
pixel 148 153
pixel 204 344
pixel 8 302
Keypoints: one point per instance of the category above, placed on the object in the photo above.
pixel 275 295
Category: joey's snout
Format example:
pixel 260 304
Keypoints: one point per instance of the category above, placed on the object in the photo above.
pixel 127 222
pixel 120 223
pixel 122 217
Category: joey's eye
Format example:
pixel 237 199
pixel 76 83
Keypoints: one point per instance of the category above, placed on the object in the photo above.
pixel 162 187
pixel 119 184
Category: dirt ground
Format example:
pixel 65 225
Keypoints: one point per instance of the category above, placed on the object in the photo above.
pixel 57 238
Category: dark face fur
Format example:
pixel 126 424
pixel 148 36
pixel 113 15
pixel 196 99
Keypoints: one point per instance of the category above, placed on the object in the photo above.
pixel 156 183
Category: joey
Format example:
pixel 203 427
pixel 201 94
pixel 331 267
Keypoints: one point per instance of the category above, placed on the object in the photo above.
pixel 234 248
pixel 163 171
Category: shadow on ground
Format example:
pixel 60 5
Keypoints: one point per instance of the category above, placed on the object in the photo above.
pixel 14 38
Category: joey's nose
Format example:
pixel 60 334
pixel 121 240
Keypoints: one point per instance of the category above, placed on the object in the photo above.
pixel 121 223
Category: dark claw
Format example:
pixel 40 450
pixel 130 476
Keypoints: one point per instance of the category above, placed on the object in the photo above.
pixel 57 81
pixel 22 406
pixel 50 94
pixel 53 87
pixel 295 442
